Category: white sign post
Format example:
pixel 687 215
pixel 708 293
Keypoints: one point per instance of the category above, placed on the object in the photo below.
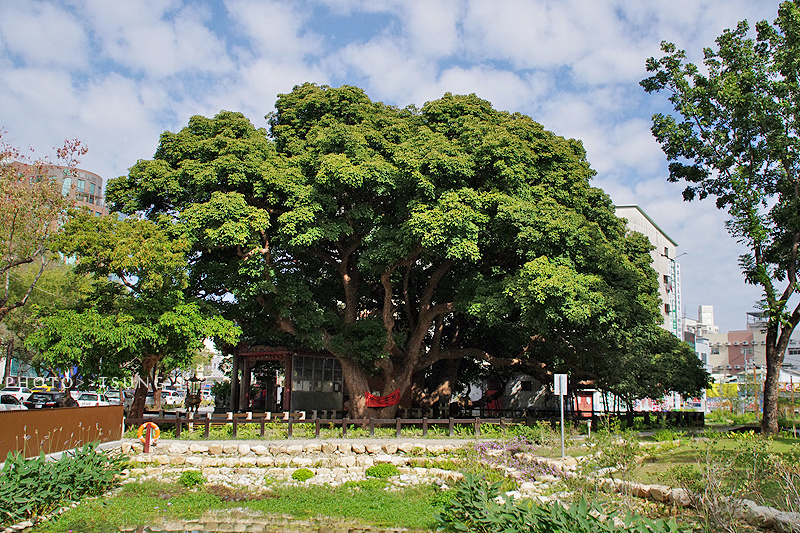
pixel 560 388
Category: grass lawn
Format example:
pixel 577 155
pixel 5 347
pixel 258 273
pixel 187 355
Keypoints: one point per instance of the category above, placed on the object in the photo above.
pixel 744 460
pixel 150 502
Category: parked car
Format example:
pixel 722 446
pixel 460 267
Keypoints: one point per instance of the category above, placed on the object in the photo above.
pixel 20 393
pixel 9 402
pixel 45 400
pixel 171 397
pixel 92 399
pixel 114 397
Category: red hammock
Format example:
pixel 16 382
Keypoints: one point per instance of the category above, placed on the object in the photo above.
pixel 382 401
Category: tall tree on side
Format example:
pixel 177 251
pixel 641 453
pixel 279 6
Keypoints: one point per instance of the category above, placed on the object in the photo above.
pixel 32 208
pixel 734 136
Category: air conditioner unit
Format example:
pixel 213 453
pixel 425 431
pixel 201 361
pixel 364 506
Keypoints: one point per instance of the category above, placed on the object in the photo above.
pixel 728 367
pixel 727 344
pixel 763 343
pixel 744 343
pixel 736 343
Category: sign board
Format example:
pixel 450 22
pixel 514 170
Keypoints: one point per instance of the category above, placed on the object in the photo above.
pixel 560 384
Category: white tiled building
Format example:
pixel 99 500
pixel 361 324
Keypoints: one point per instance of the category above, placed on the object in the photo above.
pixel 664 263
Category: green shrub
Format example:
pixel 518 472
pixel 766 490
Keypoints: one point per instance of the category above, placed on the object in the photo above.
pixel 667 435
pixel 382 470
pixel 474 506
pixel 31 487
pixel 302 474
pixel 190 478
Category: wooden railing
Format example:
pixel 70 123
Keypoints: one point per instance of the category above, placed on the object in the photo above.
pixel 182 420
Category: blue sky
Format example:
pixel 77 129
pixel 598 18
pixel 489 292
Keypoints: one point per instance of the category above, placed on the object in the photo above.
pixel 117 74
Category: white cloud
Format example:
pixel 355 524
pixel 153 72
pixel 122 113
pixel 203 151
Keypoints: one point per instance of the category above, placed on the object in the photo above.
pixel 42 34
pixel 275 29
pixel 157 39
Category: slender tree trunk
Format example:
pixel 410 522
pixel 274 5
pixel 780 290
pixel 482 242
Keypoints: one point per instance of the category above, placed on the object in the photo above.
pixel 140 394
pixel 9 357
pixel 769 421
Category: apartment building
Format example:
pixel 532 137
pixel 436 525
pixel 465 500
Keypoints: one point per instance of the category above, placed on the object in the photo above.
pixel 664 262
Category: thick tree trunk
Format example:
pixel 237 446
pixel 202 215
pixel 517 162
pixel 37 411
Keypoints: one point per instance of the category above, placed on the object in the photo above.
pixel 357 383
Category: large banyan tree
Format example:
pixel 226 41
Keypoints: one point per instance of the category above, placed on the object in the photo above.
pixel 397 238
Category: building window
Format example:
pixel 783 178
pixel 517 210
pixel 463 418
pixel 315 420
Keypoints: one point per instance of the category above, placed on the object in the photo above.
pixel 91 188
pixel 666 252
pixel 66 186
pixel 715 350
pixel 81 185
pixel 666 308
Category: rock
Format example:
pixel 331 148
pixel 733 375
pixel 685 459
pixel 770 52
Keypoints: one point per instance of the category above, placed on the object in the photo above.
pixel 382 458
pixel 243 449
pixel 277 449
pixel 194 461
pixel 347 461
pixel 358 447
pixel 328 448
pixel 787 522
pixel 177 448
pixel 126 447
pixel 247 461
pixel 161 459
pixel 198 448
pixel 406 447
pixel 302 461
pixel 641 491
pixel 230 448
pixel 436 449
pixel 294 449
pixel 390 448
pixel 215 449
pixel 493 453
pixel 314 447
pixel 345 447
pixel 760 515
pixel 680 497
pixel 176 460
pixel 373 449
pixel 153 471
pixel 258 449
pixel 265 461
pixel 570 461
pixel 660 493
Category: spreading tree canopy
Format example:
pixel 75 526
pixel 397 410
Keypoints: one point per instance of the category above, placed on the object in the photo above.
pixel 396 238
pixel 734 136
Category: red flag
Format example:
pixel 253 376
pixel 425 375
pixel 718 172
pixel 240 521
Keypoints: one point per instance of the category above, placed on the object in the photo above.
pixel 382 401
